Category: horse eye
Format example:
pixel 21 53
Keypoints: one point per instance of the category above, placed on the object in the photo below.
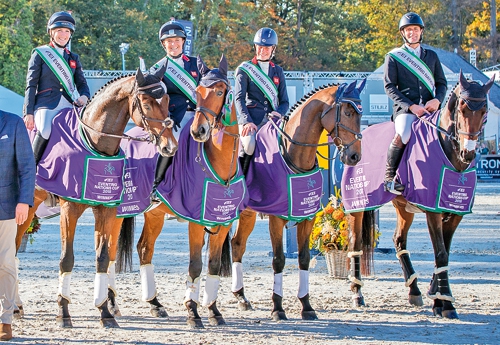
pixel 146 106
pixel 219 93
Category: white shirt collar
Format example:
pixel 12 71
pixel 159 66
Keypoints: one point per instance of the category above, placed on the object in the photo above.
pixel 415 51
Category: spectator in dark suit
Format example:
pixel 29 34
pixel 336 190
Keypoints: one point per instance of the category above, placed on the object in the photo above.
pixel 17 186
pixel 415 81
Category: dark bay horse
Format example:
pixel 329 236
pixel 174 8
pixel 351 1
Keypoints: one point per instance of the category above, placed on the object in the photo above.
pixel 215 133
pixel 460 124
pixel 103 123
pixel 337 110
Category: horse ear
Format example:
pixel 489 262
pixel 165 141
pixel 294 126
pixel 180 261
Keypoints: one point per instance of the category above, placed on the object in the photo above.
pixel 223 65
pixel 139 77
pixel 464 84
pixel 161 71
pixel 202 67
pixel 362 85
pixel 489 84
pixel 350 88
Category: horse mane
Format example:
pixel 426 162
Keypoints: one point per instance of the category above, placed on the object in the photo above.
pixel 109 83
pixel 451 93
pixel 300 102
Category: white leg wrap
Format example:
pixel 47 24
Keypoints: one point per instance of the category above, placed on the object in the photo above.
pixel 192 290
pixel 438 270
pixel 401 252
pixel 211 289
pixel 351 254
pixel 148 282
pixel 100 289
pixel 112 277
pixel 278 284
pixel 64 284
pixel 237 277
pixel 303 283
pixel 17 299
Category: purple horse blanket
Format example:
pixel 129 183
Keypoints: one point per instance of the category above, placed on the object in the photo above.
pixel 430 180
pixel 195 192
pixel 274 188
pixel 71 169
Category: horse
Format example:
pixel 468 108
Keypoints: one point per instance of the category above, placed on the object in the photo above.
pixel 215 137
pixel 334 108
pixel 102 123
pixel 455 134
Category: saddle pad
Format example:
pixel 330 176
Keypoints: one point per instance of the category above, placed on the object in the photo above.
pixel 274 188
pixel 71 169
pixel 194 191
pixel 429 178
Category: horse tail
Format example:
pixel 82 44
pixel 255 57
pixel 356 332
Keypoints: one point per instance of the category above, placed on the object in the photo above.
pixel 125 242
pixel 368 236
pixel 225 260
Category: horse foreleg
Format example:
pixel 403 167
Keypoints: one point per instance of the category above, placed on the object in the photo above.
pixel 441 233
pixel 403 224
pixel 191 300
pixel 212 282
pixel 153 224
pixel 113 243
pixel 303 234
pixel 105 235
pixel 244 228
pixel 276 232
pixel 355 221
pixel 70 212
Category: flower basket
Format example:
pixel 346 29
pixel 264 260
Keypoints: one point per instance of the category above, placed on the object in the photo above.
pixel 336 262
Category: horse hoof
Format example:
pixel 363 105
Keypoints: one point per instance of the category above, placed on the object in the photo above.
pixel 159 312
pixel 64 322
pixel 109 322
pixel 244 306
pixel 437 311
pixel 358 302
pixel 309 315
pixel 216 321
pixel 278 316
pixel 115 311
pixel 415 300
pixel 19 312
pixel 195 323
pixel 450 314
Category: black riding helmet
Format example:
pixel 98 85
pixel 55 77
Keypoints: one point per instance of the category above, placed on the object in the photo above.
pixel 411 18
pixel 61 20
pixel 171 29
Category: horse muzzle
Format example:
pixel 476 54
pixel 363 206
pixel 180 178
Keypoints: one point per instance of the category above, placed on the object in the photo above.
pixel 202 133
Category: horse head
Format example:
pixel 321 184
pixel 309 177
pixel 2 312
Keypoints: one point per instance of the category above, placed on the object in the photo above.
pixel 342 120
pixel 212 96
pixel 468 106
pixel 149 109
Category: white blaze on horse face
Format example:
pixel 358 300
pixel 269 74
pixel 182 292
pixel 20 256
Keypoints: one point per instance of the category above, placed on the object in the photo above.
pixel 470 145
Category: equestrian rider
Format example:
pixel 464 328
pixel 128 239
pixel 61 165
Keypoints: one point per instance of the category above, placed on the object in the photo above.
pixel 55 81
pixel 415 81
pixel 181 78
pixel 260 89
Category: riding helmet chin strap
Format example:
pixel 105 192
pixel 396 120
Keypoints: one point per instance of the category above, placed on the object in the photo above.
pixel 406 41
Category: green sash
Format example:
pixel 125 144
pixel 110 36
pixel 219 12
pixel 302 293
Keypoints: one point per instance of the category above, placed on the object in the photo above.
pixel 60 67
pixel 180 77
pixel 415 66
pixel 263 81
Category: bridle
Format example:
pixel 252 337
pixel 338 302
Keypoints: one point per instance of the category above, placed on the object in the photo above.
pixel 153 138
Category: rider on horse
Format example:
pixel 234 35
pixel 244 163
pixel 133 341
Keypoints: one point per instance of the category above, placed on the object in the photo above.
pixel 181 78
pixel 260 88
pixel 55 81
pixel 415 81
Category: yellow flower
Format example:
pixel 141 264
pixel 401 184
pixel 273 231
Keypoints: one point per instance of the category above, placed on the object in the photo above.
pixel 343 225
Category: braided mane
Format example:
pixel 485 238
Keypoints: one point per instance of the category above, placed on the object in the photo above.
pixel 306 97
pixel 109 83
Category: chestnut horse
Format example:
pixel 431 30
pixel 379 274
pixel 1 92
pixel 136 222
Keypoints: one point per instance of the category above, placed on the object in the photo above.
pixel 336 109
pixel 460 124
pixel 215 128
pixel 103 124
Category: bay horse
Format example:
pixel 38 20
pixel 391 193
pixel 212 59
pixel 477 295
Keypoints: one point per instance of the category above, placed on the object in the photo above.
pixel 103 123
pixel 215 133
pixel 458 128
pixel 335 109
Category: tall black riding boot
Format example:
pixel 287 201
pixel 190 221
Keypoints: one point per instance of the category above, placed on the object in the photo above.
pixel 245 163
pixel 39 145
pixel 394 155
pixel 161 167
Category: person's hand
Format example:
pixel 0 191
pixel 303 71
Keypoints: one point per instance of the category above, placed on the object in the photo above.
pixel 21 213
pixel 248 129
pixel 82 101
pixel 418 110
pixel 29 121
pixel 432 105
